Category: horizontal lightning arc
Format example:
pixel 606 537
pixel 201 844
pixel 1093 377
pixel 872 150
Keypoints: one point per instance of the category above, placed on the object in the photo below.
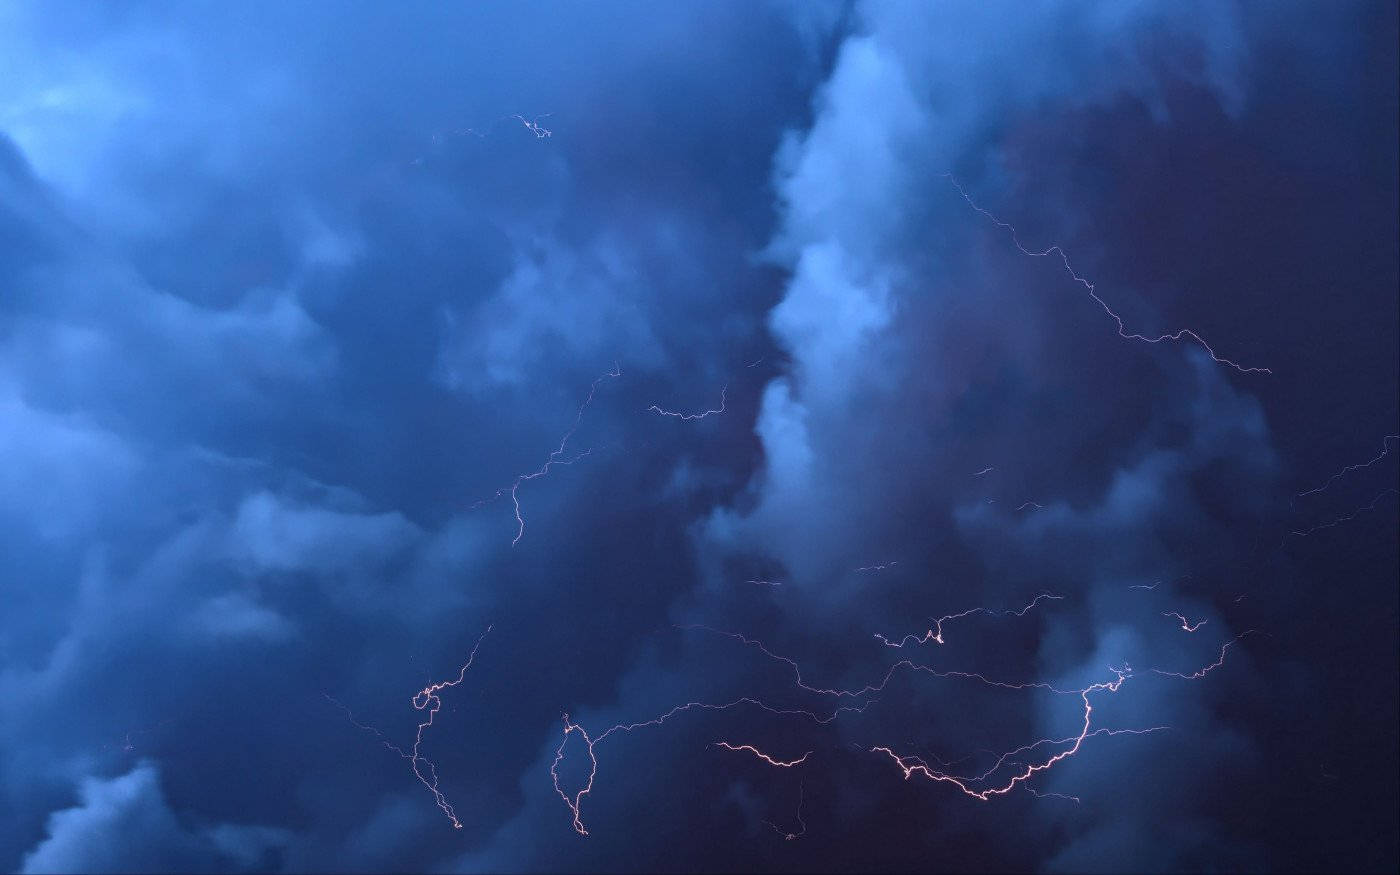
pixel 763 756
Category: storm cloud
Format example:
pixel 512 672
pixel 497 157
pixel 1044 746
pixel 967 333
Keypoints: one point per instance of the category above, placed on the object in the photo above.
pixel 296 297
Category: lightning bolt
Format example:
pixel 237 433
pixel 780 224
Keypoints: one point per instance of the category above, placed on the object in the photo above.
pixel 1344 518
pixel 687 417
pixel 1202 672
pixel 555 458
pixel 936 633
pixel 533 125
pixel 428 701
pixel 909 765
pixel 1186 624
pixel 574 801
pixel 871 569
pixel 802 824
pixel 1118 320
pixel 763 756
pixel 1385 451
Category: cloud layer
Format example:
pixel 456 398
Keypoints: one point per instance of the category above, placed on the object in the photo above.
pixel 297 297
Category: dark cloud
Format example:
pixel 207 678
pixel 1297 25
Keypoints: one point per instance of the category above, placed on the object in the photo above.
pixel 295 297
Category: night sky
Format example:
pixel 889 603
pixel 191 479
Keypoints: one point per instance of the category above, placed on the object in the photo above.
pixel 671 362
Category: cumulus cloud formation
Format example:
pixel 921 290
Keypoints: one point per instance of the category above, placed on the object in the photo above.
pixel 296 299
pixel 124 825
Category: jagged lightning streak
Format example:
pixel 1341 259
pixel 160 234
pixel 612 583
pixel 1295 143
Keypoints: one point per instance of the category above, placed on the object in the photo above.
pixel 1344 518
pixel 688 417
pixel 1385 451
pixel 1026 504
pixel 1006 757
pixel 1186 624
pixel 871 569
pixel 755 581
pixel 429 701
pixel 575 801
pixel 1202 672
pixel 788 835
pixel 983 471
pixel 910 765
pixel 936 633
pixel 533 125
pixel 1039 795
pixel 877 687
pixel 555 458
pixel 782 764
pixel 1122 329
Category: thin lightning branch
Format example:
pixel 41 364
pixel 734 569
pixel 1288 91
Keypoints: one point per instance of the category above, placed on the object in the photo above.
pixel 879 686
pixel 1186 624
pixel 757 582
pixel 802 824
pixel 1145 586
pixel 1006 757
pixel 1344 518
pixel 763 756
pixel 555 458
pixel 1197 675
pixel 910 765
pixel 936 633
pixel 575 801
pixel 687 417
pixel 1385 451
pixel 429 701
pixel 1026 504
pixel 983 471
pixel 1122 329
pixel 533 125
pixel 869 569
pixel 1038 795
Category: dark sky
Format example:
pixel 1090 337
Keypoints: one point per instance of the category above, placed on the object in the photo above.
pixel 295 296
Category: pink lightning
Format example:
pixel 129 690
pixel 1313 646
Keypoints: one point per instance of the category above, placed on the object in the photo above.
pixel 575 801
pixel 869 569
pixel 1039 795
pixel 1122 329
pixel 802 824
pixel 1197 675
pixel 687 417
pixel 878 686
pixel 909 765
pixel 1344 518
pixel 555 458
pixel 429 700
pixel 1186 624
pixel 1385 451
pixel 1006 757
pixel 936 633
pixel 763 756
